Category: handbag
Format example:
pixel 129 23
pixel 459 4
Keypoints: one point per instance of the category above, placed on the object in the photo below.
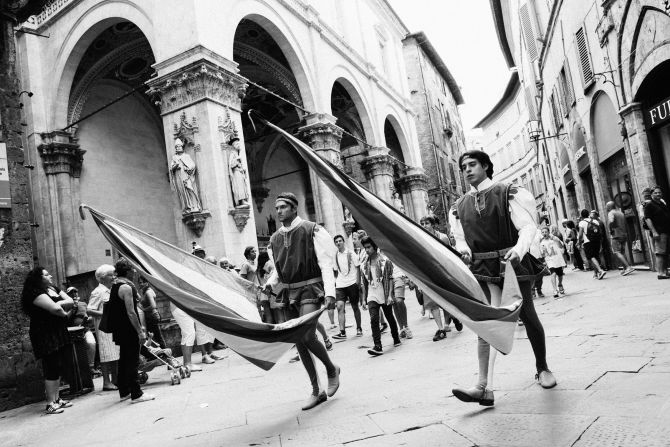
pixel 105 325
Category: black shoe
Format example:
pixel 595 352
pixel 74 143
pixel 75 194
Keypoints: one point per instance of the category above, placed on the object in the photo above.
pixel 440 335
pixel 459 325
pixel 376 351
pixel 329 344
pixel 340 336
pixel 483 396
pixel 540 294
pixel 397 343
pixel 384 327
pixel 359 332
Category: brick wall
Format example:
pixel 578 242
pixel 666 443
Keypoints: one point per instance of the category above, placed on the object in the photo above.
pixel 20 375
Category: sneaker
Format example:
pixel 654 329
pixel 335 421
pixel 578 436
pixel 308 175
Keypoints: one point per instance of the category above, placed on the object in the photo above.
pixel 663 277
pixel 217 357
pixel 561 290
pixel 376 351
pixel 340 336
pixel 359 332
pixel 402 333
pixel 294 359
pixel 206 359
pixel 458 325
pixel 194 367
pixel 555 293
pixel 64 403
pixel 440 335
pixel 384 327
pixel 53 408
pixel 329 344
pixel 95 373
pixel 408 333
pixel 143 398
pixel 602 274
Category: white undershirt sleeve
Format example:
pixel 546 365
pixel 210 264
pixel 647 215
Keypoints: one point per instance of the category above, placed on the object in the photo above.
pixel 522 213
pixel 273 280
pixel 459 235
pixel 323 246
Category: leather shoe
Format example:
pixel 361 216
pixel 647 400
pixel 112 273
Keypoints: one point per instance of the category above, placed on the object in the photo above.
pixel 313 401
pixel 546 379
pixel 483 396
pixel 334 382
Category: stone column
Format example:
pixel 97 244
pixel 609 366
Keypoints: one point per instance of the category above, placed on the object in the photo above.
pixel 414 189
pixel 378 169
pixel 639 147
pixel 197 92
pixel 62 160
pixel 321 133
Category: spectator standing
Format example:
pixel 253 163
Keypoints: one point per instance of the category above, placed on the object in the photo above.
pixel 551 249
pixel 606 259
pixel 616 222
pixel 346 286
pixel 657 217
pixel 590 238
pixel 249 271
pixel 47 307
pixel 127 332
pixel 571 245
pixel 109 352
pixel 79 317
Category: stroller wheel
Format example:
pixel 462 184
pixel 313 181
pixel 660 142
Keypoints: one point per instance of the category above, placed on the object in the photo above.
pixel 173 380
pixel 182 372
pixel 142 377
pixel 188 372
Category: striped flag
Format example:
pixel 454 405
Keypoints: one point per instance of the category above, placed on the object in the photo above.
pixel 434 267
pixel 220 300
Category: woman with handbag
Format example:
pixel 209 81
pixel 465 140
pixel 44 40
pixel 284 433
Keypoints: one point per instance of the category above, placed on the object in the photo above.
pixel 109 351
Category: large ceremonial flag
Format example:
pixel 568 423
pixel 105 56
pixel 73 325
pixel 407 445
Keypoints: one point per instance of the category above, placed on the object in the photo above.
pixel 434 267
pixel 218 299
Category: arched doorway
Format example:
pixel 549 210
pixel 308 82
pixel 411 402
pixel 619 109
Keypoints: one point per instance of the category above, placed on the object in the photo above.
pixel 583 167
pixel 654 96
pixel 343 107
pixel 125 172
pixel 395 147
pixel 273 165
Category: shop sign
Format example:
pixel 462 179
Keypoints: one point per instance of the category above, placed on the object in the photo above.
pixel 658 114
pixel 5 199
pixel 580 153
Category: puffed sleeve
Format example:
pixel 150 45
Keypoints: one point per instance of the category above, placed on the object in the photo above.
pixel 323 246
pixel 522 212
pixel 457 229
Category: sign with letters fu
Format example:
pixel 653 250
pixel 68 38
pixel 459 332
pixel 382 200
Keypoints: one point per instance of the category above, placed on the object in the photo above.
pixel 5 198
pixel 658 114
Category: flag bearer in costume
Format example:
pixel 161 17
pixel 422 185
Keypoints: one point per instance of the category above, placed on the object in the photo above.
pixel 303 277
pixel 494 223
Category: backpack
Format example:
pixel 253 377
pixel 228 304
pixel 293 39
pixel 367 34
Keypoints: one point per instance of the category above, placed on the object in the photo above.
pixel 593 230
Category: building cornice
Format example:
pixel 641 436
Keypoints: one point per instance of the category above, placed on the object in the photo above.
pixel 549 33
pixel 499 22
pixel 510 91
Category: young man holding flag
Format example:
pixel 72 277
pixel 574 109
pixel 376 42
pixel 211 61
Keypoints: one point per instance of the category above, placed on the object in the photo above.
pixel 303 276
pixel 494 224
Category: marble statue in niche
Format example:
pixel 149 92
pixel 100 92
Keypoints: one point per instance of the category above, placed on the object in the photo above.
pixel 183 176
pixel 238 175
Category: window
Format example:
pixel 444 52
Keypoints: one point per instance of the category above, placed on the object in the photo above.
pixel 530 100
pixel 527 27
pixel 584 57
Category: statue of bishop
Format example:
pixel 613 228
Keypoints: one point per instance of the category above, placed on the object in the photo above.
pixel 183 177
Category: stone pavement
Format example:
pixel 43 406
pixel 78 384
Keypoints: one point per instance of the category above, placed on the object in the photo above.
pixel 608 343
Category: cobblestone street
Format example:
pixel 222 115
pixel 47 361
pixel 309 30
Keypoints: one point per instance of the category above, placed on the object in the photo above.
pixel 608 344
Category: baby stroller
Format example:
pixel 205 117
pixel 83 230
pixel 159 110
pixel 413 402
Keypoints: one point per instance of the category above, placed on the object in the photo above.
pixel 152 355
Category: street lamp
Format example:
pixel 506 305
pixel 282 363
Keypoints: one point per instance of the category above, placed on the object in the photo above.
pixel 534 130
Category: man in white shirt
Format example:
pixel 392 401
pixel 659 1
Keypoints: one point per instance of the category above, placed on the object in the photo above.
pixel 301 252
pixel 346 286
pixel 590 238
pixel 494 223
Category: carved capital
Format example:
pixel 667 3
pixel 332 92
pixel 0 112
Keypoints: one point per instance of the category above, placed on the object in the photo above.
pixel 412 182
pixel 240 216
pixel 322 136
pixel 380 164
pixel 60 153
pixel 196 221
pixel 195 82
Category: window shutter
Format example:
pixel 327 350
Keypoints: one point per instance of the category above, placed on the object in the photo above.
pixel 528 32
pixel 584 58
pixel 530 100
pixel 569 84
pixel 562 93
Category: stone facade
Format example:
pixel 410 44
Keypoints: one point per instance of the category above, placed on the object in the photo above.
pixel 435 100
pixel 20 375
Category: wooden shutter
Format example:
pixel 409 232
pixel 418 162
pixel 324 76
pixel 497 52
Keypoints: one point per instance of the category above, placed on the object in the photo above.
pixel 584 58
pixel 570 86
pixel 528 31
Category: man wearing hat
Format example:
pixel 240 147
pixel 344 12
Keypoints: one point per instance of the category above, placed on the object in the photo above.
pixel 303 277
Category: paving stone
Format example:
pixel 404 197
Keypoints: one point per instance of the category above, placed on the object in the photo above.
pixel 520 430
pixel 622 432
pixel 343 430
pixel 436 435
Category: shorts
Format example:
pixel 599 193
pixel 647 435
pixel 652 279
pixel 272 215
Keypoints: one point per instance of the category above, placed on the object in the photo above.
pixel 350 292
pixel 592 249
pixel 557 270
pixel 53 363
pixel 192 333
pixel 399 287
pixel 661 244
pixel 618 244
pixel 429 304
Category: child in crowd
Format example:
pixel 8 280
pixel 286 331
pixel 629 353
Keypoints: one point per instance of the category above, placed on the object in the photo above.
pixel 552 250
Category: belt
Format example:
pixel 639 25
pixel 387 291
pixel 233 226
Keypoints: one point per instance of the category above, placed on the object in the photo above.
pixel 297 285
pixel 490 254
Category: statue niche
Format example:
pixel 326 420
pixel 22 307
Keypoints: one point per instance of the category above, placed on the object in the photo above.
pixel 238 174
pixel 183 176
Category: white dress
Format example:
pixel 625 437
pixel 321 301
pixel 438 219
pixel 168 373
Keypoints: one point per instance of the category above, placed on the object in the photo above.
pixel 109 351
